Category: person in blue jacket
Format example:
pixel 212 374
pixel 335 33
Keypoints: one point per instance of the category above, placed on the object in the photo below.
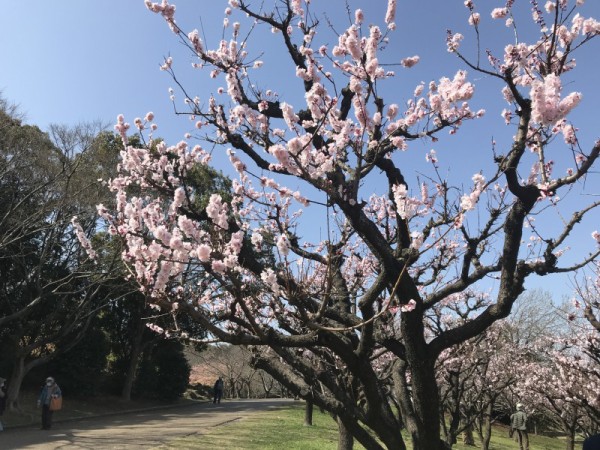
pixel 49 391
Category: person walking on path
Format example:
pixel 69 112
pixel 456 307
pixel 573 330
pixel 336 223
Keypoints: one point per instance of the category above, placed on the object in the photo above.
pixel 592 443
pixel 2 399
pixel 218 388
pixel 518 423
pixel 48 392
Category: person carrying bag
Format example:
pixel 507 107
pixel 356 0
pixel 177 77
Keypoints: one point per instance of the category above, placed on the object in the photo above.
pixel 50 400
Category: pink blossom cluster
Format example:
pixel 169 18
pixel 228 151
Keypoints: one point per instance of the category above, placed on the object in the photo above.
pixel 411 61
pixel 324 146
pixel 499 13
pixel 390 14
pixel 410 306
pixel 468 202
pixel 166 10
pixel 407 207
pixel 83 239
pixel 296 6
pixel 218 211
pixel 546 104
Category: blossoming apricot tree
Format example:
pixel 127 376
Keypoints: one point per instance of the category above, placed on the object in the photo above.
pixel 361 296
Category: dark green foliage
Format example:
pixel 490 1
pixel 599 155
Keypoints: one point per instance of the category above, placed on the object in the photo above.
pixel 164 372
pixel 113 383
pixel 205 181
pixel 82 369
pixel 50 292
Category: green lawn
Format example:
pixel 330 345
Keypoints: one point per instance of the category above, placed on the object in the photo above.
pixel 283 429
pixel 501 441
pixel 274 430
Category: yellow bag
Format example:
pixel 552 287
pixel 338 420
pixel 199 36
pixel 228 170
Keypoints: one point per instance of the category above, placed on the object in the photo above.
pixel 55 403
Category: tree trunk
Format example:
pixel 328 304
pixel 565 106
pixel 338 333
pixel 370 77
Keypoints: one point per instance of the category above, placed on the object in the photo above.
pixel 445 430
pixel 413 405
pixel 308 414
pixel 423 416
pixel 570 443
pixel 426 430
pixel 14 385
pixel 16 379
pixel 452 431
pixel 467 435
pixel 345 439
pixel 486 426
pixel 134 360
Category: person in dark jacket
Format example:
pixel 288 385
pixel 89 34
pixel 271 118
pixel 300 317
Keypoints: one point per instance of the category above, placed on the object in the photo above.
pixel 2 399
pixel 592 443
pixel 218 388
pixel 518 423
pixel 49 391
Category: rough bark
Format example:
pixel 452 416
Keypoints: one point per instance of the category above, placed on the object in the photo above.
pixel 486 427
pixel 467 436
pixel 345 438
pixel 134 360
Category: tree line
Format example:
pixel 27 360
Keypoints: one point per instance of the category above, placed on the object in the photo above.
pixel 83 321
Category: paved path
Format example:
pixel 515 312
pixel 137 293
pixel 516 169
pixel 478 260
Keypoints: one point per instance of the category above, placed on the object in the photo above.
pixel 139 430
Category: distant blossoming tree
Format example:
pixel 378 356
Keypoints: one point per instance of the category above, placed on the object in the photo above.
pixel 376 294
pixel 562 383
pixel 472 378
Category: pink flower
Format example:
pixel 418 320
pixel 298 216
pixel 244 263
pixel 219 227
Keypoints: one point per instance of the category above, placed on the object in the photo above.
pixel 410 306
pixel 218 266
pixel 195 40
pixel 269 277
pixel 283 245
pixel 474 19
pixel 399 142
pixel 291 119
pixel 453 42
pixel 568 132
pixel 499 13
pixel 155 328
pixel 411 61
pixel 391 11
pixel 257 240
pixel 217 211
pixel 82 238
pixel 203 252
pixel 297 8
pixel 359 17
pixel 547 107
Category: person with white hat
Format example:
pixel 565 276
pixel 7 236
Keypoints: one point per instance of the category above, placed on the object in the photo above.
pixel 49 391
pixel 518 424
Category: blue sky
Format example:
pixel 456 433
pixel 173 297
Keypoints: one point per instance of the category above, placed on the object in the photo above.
pixel 77 60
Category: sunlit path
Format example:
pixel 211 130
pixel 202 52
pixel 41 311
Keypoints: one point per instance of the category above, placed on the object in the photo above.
pixel 135 430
